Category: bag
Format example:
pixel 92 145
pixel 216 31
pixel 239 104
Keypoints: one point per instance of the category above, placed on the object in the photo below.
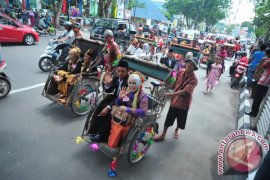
pixel 118 116
pixel 117 133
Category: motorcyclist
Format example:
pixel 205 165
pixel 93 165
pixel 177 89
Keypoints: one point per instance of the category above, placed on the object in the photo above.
pixel 43 23
pixel 77 31
pixel 68 36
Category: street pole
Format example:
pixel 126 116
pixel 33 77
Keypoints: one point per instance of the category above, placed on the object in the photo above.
pixel 68 9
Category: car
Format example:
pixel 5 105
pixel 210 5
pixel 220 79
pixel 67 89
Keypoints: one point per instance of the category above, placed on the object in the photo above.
pixel 13 31
pixel 120 27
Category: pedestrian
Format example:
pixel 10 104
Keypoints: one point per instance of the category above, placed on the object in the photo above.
pixel 262 88
pixel 223 55
pixel 255 60
pixel 186 81
pixel 32 18
pixel 212 79
pixel 263 172
pixel 211 59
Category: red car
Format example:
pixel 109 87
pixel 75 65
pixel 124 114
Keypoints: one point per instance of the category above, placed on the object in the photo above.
pixel 13 31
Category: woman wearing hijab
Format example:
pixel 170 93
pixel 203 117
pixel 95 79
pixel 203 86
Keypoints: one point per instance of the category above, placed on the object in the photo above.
pixel 131 100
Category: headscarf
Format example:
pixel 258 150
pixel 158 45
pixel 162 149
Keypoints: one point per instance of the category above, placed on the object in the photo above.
pixel 138 78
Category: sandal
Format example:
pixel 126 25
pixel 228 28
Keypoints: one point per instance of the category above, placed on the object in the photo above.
pixel 176 135
pixel 159 138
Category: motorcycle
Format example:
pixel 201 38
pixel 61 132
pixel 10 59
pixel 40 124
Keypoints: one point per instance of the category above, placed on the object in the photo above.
pixel 55 54
pixel 238 73
pixel 5 85
pixel 42 31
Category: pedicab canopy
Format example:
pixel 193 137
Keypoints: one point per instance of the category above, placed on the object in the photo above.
pixel 183 50
pixel 150 69
pixel 145 40
pixel 85 44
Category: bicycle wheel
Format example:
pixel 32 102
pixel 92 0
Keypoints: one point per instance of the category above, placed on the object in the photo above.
pixel 84 98
pixel 141 143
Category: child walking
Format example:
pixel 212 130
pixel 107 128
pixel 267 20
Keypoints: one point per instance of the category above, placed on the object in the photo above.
pixel 212 78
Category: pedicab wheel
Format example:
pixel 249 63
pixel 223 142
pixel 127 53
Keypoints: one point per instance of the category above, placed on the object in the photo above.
pixel 84 98
pixel 160 96
pixel 141 143
pixel 52 32
pixel 45 64
pixel 5 87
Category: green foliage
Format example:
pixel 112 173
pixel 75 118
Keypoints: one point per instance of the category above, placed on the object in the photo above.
pixel 262 17
pixel 197 11
pixel 229 29
pixel 135 3
pixel 114 9
pixel 249 25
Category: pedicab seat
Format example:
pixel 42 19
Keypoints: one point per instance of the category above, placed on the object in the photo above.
pixel 155 83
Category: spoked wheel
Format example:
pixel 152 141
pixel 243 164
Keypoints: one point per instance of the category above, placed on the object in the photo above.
pixel 162 101
pixel 84 99
pixel 45 64
pixel 141 143
pixel 5 87
pixel 52 32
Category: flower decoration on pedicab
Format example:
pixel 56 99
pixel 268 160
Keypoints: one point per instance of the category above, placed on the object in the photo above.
pixel 172 79
pixel 82 92
pixel 112 170
pixel 79 139
pixel 144 139
pixel 94 147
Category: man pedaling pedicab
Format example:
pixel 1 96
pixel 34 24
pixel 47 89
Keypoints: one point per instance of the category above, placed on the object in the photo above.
pixel 114 54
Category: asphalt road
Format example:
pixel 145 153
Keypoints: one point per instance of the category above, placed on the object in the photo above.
pixel 37 137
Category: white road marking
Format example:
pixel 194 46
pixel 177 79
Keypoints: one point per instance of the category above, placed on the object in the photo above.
pixel 27 88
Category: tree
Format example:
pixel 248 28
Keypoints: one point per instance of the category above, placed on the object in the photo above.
pixel 103 8
pixel 262 18
pixel 196 11
pixel 56 7
pixel 249 25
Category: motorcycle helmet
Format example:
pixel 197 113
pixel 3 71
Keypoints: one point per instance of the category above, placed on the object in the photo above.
pixel 243 54
pixel 67 24
pixel 77 25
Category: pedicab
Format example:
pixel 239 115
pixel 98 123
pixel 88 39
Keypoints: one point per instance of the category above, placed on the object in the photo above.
pixel 205 52
pixel 230 49
pixel 184 49
pixel 141 134
pixel 152 44
pixel 82 95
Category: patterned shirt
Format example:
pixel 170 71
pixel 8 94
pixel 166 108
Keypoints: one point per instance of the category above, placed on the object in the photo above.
pixel 265 78
pixel 114 54
pixel 185 82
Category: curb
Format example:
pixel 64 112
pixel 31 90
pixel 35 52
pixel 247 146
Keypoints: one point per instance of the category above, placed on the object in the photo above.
pixel 244 106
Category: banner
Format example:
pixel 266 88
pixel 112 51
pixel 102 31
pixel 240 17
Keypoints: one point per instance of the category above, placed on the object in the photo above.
pixel 27 4
pixel 64 7
pixel 23 5
pixel 80 6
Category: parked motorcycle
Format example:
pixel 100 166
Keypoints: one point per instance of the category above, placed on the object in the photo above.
pixel 55 54
pixel 238 73
pixel 42 31
pixel 5 85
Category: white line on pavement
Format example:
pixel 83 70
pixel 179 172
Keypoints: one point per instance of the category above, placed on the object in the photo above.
pixel 27 88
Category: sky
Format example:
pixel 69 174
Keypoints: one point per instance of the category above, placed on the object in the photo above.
pixel 245 11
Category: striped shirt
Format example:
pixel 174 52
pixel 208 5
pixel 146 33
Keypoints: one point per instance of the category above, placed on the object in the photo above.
pixel 185 82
